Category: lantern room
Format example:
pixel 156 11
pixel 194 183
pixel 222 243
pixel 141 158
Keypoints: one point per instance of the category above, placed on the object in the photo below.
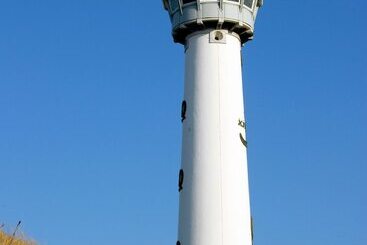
pixel 188 16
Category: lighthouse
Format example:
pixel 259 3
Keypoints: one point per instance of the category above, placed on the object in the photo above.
pixel 214 206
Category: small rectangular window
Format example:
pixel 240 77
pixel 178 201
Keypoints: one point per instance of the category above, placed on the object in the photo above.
pixel 248 3
pixel 188 1
pixel 174 5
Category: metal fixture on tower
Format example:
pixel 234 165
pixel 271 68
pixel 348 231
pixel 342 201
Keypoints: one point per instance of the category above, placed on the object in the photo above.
pixel 213 179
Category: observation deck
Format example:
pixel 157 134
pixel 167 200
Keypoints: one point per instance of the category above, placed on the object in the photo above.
pixel 188 16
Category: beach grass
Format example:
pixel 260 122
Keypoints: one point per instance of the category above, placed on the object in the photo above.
pixel 14 239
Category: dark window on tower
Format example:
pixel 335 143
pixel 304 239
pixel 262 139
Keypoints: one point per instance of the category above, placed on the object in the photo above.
pixel 174 4
pixel 183 110
pixel 234 1
pixel 188 1
pixel 180 180
pixel 248 3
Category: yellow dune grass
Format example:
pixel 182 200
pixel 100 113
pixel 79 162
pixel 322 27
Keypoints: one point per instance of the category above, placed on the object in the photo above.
pixel 6 239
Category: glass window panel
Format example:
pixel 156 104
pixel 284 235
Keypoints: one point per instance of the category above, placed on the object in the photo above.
pixel 188 1
pixel 174 4
pixel 248 3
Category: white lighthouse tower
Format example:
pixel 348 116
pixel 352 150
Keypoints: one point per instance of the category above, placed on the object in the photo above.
pixel 213 180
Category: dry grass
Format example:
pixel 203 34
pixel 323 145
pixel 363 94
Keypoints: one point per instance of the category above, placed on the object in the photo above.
pixel 6 239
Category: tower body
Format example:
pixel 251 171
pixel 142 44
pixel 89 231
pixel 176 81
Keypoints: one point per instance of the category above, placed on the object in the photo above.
pixel 213 180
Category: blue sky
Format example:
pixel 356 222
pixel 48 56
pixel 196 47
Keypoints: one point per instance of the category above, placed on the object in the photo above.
pixel 90 132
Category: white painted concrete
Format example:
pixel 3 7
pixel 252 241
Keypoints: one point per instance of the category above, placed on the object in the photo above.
pixel 214 201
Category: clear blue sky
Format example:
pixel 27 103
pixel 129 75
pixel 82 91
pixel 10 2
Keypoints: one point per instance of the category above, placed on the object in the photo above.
pixel 90 131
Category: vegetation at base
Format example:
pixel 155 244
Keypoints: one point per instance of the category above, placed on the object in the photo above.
pixel 14 239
